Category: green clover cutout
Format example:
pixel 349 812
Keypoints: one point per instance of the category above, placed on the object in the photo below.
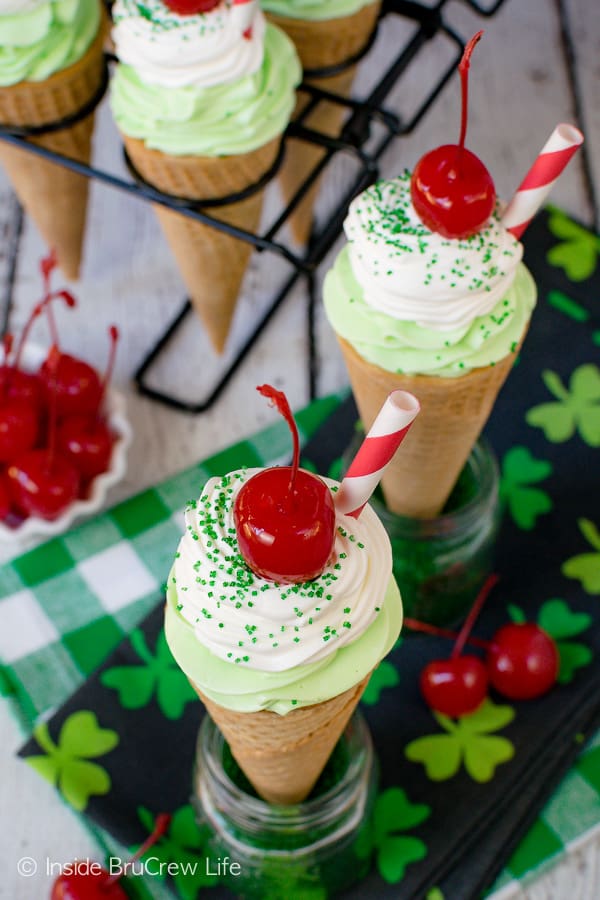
pixel 393 814
pixel 185 845
pixel 586 566
pixel 467 741
pixel 577 253
pixel 65 764
pixel 577 408
pixel 384 676
pixel 519 471
pixel 160 674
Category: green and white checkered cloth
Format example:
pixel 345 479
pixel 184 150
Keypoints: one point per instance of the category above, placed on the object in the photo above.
pixel 65 605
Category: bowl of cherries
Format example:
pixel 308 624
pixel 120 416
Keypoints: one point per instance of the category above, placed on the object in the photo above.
pixel 63 430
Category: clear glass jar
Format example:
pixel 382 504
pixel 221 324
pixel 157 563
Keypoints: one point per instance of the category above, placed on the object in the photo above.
pixel 311 849
pixel 440 564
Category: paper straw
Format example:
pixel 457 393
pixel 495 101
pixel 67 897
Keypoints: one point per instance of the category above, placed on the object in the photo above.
pixel 537 184
pixel 387 433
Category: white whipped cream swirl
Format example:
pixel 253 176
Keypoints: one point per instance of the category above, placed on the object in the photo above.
pixel 245 619
pixel 200 50
pixel 413 274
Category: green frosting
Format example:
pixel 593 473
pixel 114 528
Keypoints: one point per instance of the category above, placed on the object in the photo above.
pixel 42 41
pixel 249 690
pixel 314 9
pixel 222 120
pixel 407 348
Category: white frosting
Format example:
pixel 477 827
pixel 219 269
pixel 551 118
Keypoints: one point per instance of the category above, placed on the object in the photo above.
pixel 200 50
pixel 16 7
pixel 417 276
pixel 279 626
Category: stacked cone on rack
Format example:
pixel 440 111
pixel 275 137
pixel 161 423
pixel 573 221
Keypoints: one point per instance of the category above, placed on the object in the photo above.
pixel 321 44
pixel 54 196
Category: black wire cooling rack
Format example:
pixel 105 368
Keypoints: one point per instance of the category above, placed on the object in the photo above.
pixel 370 127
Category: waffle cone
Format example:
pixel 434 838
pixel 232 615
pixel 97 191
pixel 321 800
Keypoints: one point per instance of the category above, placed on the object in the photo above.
pixel 283 756
pixel 421 476
pixel 54 197
pixel 320 44
pixel 212 264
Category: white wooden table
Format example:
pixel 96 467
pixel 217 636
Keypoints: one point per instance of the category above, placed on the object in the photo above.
pixel 522 85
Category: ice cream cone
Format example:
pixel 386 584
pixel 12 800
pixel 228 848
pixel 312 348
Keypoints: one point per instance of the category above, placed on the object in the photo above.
pixel 454 411
pixel 212 264
pixel 320 44
pixel 55 197
pixel 283 756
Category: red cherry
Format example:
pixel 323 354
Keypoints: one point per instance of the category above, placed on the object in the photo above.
pixel 86 886
pixel 452 191
pixel 78 388
pixel 42 484
pixel 454 687
pixel 522 661
pixel 285 517
pixel 5 504
pixel 19 428
pixel 191 7
pixel 17 385
pixel 87 442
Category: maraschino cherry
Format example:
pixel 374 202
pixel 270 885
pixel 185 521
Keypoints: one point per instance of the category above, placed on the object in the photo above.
pixel 285 517
pixel 41 482
pixel 18 414
pixel 100 884
pixel 452 191
pixel 523 661
pixel 87 440
pixel 458 686
pixel 191 7
pixel 5 504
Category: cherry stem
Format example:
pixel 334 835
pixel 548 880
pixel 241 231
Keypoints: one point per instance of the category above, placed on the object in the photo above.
pixel 488 585
pixel 463 69
pixel 427 628
pixel 37 311
pixel 53 360
pixel 160 827
pixel 279 400
pixel 113 333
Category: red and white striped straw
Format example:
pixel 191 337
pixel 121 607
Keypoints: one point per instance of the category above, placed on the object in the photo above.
pixel 387 433
pixel 537 184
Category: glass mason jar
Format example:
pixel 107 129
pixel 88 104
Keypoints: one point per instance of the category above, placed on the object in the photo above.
pixel 440 564
pixel 312 849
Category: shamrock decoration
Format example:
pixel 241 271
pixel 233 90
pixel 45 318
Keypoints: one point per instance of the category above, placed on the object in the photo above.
pixel 586 566
pixel 520 470
pixel 160 673
pixel 384 676
pixel 560 623
pixel 577 253
pixel 185 844
pixel 577 408
pixel 393 814
pixel 467 740
pixel 65 764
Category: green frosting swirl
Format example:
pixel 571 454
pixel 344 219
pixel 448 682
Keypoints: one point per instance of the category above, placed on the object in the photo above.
pixel 314 9
pixel 222 120
pixel 249 690
pixel 407 348
pixel 46 39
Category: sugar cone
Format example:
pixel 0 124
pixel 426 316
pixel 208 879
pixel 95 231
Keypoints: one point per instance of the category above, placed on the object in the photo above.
pixel 283 756
pixel 421 476
pixel 212 264
pixel 55 197
pixel 320 44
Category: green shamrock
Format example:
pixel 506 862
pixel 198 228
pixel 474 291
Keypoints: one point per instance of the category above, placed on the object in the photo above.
pixel 577 408
pixel 520 470
pixel 577 253
pixel 467 741
pixel 393 814
pixel 185 845
pixel 160 673
pixel 557 620
pixel 586 566
pixel 384 676
pixel 65 764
